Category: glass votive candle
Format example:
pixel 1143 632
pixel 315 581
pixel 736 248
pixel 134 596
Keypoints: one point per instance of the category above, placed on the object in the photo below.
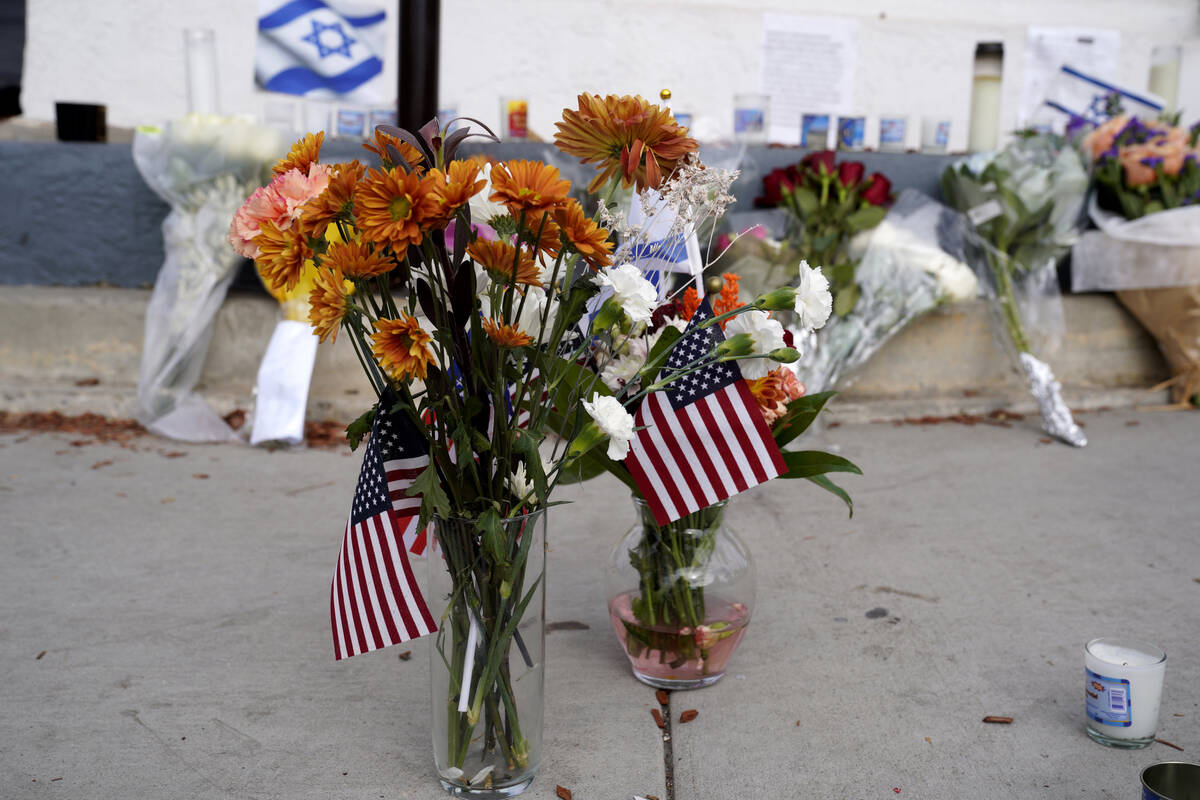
pixel 514 118
pixel 851 132
pixel 1123 685
pixel 935 135
pixel 814 131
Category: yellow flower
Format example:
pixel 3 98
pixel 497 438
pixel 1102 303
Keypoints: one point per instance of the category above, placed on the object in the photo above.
pixel 394 207
pixel 530 187
pixel 303 154
pixel 625 135
pixel 327 303
pixel 505 335
pixel 588 238
pixel 402 348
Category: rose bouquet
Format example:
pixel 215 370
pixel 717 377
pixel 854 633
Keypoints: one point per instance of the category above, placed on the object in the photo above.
pixel 829 202
pixel 478 348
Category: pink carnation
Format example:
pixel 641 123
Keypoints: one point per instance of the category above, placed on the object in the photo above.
pixel 281 202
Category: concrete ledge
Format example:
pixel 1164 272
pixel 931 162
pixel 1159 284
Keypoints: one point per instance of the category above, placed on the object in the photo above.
pixel 78 349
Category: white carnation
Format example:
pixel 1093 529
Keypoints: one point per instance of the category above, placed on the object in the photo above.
pixel 528 314
pixel 624 366
pixel 767 335
pixel 636 295
pixel 616 423
pixel 814 303
pixel 483 210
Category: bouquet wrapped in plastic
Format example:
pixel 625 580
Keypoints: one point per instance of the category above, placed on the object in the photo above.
pixel 1024 204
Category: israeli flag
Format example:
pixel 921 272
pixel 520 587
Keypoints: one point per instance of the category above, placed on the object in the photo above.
pixel 1078 94
pixel 325 49
pixel 656 249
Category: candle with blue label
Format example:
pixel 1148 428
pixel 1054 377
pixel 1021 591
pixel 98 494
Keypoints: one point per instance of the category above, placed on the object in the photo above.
pixel 851 131
pixel 1123 681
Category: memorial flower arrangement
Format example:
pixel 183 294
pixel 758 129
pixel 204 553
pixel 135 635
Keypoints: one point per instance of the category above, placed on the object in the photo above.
pixel 829 202
pixel 1143 167
pixel 486 355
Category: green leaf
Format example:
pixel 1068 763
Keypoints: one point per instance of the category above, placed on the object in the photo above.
pixel 588 466
pixel 840 274
pixel 825 240
pixel 659 354
pixel 830 486
pixel 806 463
pixel 845 300
pixel 866 217
pixel 356 430
pixel 800 414
pixel 491 533
pixel 806 200
pixel 433 497
pixel 526 444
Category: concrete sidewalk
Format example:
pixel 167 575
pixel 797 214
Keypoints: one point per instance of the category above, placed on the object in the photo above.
pixel 180 596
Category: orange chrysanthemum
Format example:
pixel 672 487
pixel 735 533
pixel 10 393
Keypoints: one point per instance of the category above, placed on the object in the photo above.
pixel 303 153
pixel 588 238
pixel 498 259
pixel 336 202
pixel 401 347
pixel 355 260
pixel 327 303
pixel 774 391
pixel 395 207
pixel 528 187
pixel 550 241
pixel 281 255
pixel 727 300
pixel 690 302
pixel 380 148
pixel 505 335
pixel 456 187
pixel 623 135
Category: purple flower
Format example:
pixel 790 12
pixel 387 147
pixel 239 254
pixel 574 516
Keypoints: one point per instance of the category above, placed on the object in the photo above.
pixel 1152 161
pixel 1076 124
pixel 1109 153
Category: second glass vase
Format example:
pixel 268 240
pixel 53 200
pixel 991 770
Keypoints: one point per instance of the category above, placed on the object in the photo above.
pixel 680 596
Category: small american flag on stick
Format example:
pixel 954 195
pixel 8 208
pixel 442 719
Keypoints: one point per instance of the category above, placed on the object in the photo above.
pixel 375 600
pixel 704 438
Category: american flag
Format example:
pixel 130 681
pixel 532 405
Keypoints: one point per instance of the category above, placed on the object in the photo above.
pixel 704 438
pixel 375 600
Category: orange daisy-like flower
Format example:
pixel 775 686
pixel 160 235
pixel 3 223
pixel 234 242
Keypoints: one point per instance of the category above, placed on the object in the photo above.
pixel 336 202
pixel 380 148
pixel 625 135
pixel 588 238
pixel 774 391
pixel 456 187
pixel 395 207
pixel 530 187
pixel 727 300
pixel 303 153
pixel 281 255
pixel 401 347
pixel 550 241
pixel 505 335
pixel 498 259
pixel 356 260
pixel 327 303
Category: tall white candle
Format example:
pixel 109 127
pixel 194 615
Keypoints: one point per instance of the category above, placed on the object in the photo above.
pixel 1123 685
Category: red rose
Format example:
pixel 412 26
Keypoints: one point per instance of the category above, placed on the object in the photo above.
pixel 850 173
pixel 775 183
pixel 820 162
pixel 878 190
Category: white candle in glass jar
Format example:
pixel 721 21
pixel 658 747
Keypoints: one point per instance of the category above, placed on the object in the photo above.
pixel 1123 684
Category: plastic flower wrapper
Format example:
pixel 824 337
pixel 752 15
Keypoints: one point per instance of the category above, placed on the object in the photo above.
pixel 204 167
pixel 1025 205
pixel 904 272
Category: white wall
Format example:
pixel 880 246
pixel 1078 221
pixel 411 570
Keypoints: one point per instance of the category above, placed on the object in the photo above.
pixel 914 56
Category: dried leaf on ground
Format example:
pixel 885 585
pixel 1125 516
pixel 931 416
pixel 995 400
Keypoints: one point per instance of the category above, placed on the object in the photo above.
pixel 689 715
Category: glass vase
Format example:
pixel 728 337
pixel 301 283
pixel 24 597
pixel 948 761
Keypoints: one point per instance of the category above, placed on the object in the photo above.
pixel 680 596
pixel 486 663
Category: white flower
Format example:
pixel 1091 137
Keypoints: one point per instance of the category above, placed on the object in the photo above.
pixel 636 295
pixel 528 314
pixel 626 363
pixel 519 483
pixel 616 423
pixel 814 303
pixel 766 334
pixel 483 210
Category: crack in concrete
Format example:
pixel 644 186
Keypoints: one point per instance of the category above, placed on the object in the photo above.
pixel 668 749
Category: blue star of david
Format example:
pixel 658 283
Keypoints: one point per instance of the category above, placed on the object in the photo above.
pixel 323 49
